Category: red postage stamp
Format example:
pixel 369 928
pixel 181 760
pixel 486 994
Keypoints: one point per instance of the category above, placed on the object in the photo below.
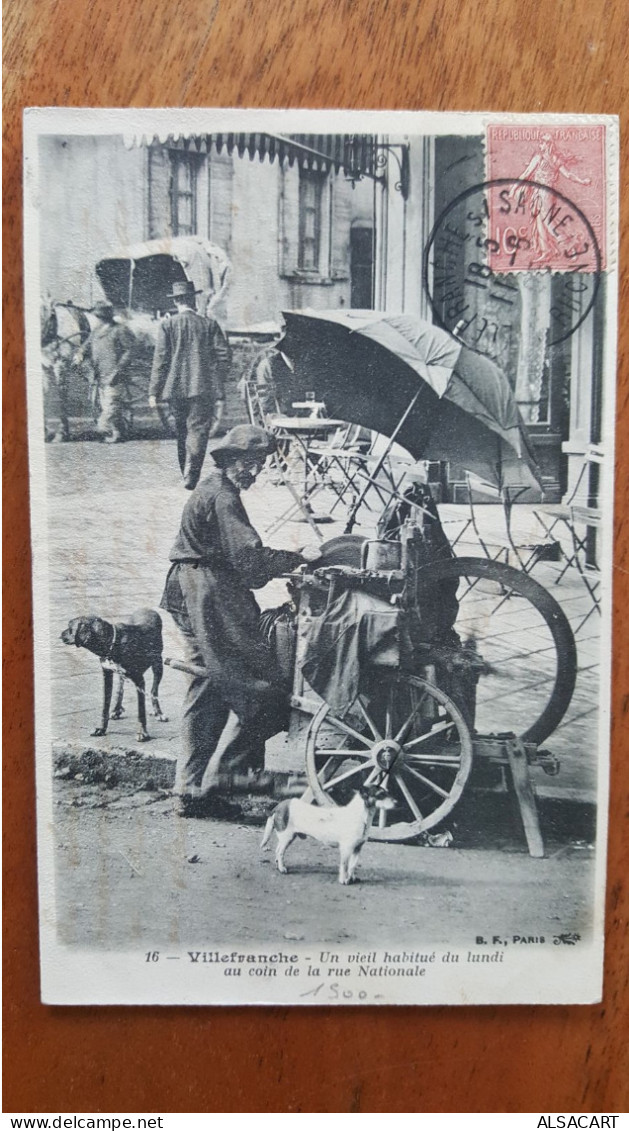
pixel 556 221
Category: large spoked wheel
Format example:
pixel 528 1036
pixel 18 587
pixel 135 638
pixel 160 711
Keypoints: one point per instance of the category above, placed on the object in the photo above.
pixel 408 736
pixel 523 637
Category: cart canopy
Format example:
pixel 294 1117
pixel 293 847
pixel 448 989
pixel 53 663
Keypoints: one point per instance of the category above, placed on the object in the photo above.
pixel 140 276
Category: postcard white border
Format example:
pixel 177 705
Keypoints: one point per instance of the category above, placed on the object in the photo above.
pixel 70 976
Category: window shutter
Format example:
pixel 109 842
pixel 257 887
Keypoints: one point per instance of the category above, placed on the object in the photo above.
pixel 341 222
pixel 289 219
pixel 221 198
pixel 159 174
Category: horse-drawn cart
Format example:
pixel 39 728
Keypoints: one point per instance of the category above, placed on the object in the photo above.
pixel 137 281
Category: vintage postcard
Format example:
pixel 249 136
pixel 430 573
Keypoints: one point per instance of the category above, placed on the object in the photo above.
pixel 321 441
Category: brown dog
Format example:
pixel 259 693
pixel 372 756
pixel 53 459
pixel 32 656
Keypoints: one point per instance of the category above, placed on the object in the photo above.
pixel 130 648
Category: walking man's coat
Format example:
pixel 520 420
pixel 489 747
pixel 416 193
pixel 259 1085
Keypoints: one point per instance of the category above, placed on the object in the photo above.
pixel 189 364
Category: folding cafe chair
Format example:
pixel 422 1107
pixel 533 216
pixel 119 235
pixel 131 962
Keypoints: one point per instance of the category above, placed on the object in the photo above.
pixel 579 515
pixel 352 467
pixel 345 465
pixel 264 410
pixel 500 546
pixel 359 467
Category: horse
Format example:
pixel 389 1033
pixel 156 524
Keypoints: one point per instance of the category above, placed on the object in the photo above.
pixel 64 329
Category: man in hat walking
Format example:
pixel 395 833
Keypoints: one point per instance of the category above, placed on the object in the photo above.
pixel 237 700
pixel 189 366
pixel 109 349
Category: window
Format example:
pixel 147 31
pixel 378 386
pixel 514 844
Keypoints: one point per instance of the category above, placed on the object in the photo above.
pixel 310 219
pixel 361 266
pixel 314 247
pixel 178 193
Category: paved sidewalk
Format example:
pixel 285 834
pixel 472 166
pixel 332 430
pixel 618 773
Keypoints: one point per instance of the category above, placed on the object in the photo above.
pixel 113 515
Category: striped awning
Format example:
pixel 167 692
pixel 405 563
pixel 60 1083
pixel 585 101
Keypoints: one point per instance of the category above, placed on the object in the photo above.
pixel 318 152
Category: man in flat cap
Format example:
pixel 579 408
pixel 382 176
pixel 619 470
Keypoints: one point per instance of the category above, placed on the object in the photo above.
pixel 238 699
pixel 109 350
pixel 189 368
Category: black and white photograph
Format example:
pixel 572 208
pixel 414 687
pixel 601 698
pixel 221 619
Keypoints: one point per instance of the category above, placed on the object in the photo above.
pixel 321 442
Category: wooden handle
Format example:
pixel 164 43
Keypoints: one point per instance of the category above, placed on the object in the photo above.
pixel 183 666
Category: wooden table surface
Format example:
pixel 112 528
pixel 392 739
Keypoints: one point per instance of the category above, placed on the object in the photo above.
pixel 520 55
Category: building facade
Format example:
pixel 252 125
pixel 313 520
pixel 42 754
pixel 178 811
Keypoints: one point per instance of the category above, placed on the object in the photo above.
pixel 297 234
pixel 317 221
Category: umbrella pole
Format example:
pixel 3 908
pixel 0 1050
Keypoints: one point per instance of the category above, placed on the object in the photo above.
pixel 359 501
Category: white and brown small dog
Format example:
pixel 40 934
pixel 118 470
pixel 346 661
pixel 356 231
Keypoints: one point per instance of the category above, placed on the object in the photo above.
pixel 345 825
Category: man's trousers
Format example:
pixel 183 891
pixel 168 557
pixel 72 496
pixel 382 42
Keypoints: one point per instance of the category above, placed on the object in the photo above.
pixel 235 657
pixel 193 420
pixel 205 713
pixel 112 405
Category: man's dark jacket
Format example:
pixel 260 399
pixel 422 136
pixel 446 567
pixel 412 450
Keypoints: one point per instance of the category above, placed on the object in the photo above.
pixel 219 546
pixel 190 360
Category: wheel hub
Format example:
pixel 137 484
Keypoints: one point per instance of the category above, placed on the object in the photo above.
pixel 386 753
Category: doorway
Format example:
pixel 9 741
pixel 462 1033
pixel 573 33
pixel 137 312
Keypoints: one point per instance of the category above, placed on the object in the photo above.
pixel 361 266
